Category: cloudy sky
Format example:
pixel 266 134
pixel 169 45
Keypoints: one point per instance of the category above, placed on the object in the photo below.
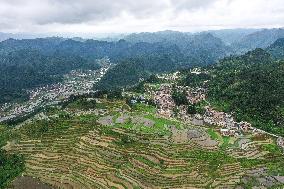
pixel 120 16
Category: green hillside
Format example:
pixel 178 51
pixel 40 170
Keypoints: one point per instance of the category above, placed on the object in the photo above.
pixel 251 86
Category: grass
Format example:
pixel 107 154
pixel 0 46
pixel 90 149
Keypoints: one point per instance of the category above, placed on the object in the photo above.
pixel 213 135
pixel 159 121
pixel 224 140
pixel 147 162
pixel 272 148
pixel 140 107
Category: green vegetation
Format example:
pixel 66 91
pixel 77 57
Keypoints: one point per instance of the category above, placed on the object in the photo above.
pixel 6 134
pixel 128 149
pixel 213 135
pixel 273 148
pixel 11 165
pixel 251 86
pixel 179 98
pixel 144 108
pixel 277 49
pixel 78 102
pixel 129 72
pixel 195 80
pixel 191 109
pixel 37 129
pixel 226 140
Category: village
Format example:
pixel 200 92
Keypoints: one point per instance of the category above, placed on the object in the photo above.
pixel 166 107
pixel 77 82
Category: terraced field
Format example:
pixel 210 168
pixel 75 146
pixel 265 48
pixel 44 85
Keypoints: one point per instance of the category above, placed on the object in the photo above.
pixel 137 149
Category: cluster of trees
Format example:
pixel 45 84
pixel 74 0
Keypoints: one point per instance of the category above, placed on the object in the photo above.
pixel 84 102
pixel 179 98
pixel 11 165
pixel 194 80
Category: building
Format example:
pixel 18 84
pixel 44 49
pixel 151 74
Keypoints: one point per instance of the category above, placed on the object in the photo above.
pixel 280 142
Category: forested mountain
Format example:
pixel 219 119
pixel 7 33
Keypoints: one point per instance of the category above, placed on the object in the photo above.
pixel 26 68
pixel 259 39
pixel 206 48
pixel 131 71
pixel 161 36
pixel 43 45
pixel 31 62
pixel 230 36
pixel 4 36
pixel 277 49
pixel 251 86
pixel 202 47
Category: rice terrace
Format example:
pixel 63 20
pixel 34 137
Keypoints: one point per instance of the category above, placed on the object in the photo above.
pixel 115 144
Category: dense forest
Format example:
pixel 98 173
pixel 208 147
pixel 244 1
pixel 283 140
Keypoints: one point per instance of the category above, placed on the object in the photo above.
pixel 252 87
pixel 277 49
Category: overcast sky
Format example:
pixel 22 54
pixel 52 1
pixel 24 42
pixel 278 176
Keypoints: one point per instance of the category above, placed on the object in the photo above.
pixel 120 16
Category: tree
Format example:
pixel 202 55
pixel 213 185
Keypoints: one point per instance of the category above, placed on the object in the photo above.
pixel 191 109
pixel 179 98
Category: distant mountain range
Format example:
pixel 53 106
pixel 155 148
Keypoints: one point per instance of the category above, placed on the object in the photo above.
pixel 260 39
pixel 136 56
pixel 238 40
pixel 230 36
pixel 192 46
pixel 277 49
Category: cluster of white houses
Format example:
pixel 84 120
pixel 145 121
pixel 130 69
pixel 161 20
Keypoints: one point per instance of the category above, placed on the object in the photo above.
pixel 166 105
pixel 169 77
pixel 229 127
pixel 164 101
pixel 195 95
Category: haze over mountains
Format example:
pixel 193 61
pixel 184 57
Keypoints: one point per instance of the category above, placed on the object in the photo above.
pixel 150 52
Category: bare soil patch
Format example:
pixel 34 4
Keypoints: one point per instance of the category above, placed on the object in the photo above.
pixel 24 182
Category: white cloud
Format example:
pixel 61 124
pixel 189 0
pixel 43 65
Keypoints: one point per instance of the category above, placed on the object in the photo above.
pixel 108 16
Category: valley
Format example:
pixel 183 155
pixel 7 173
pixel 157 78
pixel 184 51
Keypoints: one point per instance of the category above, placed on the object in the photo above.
pixel 77 82
pixel 129 142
